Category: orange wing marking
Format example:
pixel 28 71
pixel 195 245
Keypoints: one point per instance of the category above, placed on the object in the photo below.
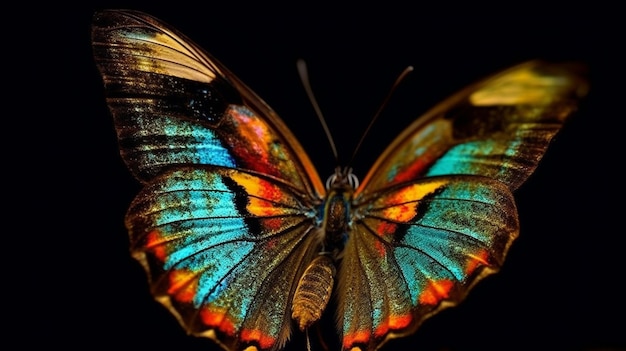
pixel 265 341
pixel 183 285
pixel 155 243
pixel 218 318
pixel 436 291
pixel 475 261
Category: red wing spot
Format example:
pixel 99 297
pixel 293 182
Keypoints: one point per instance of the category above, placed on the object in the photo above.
pixel 386 228
pixel 183 285
pixel 270 244
pixel 270 191
pixel 155 243
pixel 356 337
pixel 265 341
pixel 380 248
pixel 393 323
pixel 409 173
pixel 273 224
pixel 217 318
pixel 435 291
pixel 399 322
pixel 382 330
pixel 475 261
pixel 253 142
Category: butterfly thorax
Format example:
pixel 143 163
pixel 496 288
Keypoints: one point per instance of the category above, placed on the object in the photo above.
pixel 336 210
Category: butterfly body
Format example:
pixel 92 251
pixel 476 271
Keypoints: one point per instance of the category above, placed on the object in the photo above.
pixel 239 236
pixel 313 292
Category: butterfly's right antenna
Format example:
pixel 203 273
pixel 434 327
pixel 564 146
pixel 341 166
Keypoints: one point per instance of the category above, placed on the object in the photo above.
pixel 304 77
pixel 402 75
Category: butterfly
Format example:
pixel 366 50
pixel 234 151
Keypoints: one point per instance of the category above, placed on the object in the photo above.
pixel 244 243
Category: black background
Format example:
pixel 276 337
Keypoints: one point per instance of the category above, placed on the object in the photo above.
pixel 561 287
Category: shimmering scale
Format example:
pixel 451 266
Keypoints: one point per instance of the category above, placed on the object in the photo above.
pixel 233 212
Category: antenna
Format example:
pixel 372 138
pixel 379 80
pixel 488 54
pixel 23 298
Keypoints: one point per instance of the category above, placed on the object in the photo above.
pixel 304 77
pixel 401 77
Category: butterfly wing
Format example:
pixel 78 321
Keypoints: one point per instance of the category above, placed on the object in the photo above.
pixel 435 214
pixel 175 104
pixel 223 252
pixel 499 128
pixel 222 225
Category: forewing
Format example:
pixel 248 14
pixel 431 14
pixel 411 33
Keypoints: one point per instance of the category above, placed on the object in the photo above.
pixel 174 104
pixel 418 248
pixel 498 128
pixel 224 250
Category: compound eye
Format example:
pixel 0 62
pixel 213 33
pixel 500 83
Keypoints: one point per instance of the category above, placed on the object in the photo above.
pixel 330 181
pixel 353 181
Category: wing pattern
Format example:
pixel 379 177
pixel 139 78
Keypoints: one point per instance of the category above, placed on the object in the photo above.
pixel 224 248
pixel 416 246
pixel 173 104
pixel 233 212
pixel 435 214
pixel 498 128
pixel 224 224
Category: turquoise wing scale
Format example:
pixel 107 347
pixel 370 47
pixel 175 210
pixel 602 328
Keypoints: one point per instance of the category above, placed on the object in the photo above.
pixel 222 224
pixel 232 210
pixel 435 214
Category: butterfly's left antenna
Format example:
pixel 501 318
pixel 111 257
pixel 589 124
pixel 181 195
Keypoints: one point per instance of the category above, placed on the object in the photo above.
pixel 304 77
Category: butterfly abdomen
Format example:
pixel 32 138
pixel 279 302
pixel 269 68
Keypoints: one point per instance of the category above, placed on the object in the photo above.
pixel 313 291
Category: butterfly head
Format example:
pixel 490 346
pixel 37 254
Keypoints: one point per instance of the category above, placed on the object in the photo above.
pixel 342 179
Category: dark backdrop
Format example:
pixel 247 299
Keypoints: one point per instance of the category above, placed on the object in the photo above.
pixel 561 285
